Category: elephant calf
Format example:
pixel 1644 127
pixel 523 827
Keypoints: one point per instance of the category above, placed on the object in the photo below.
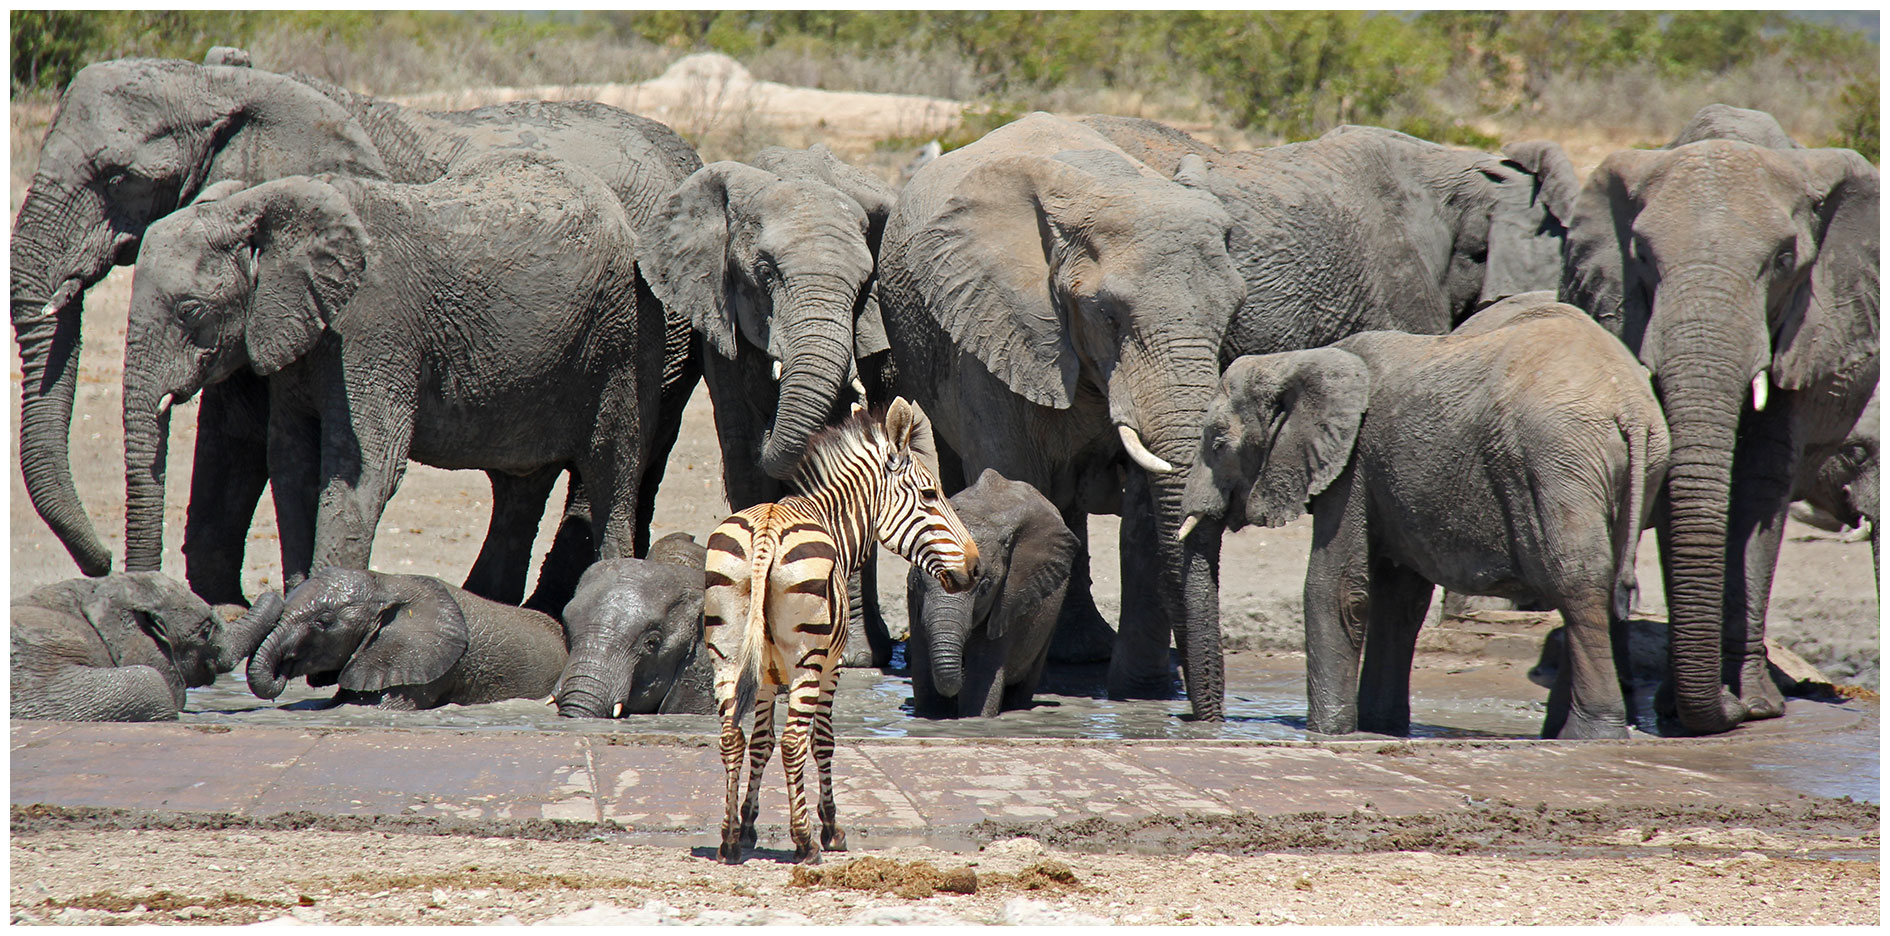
pixel 123 647
pixel 978 652
pixel 407 642
pixel 634 630
pixel 1844 490
pixel 1516 456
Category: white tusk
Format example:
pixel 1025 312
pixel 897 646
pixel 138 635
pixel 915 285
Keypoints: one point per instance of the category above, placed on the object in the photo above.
pixel 163 405
pixel 777 372
pixel 1759 385
pixel 859 388
pixel 616 711
pixel 1132 443
pixel 1187 527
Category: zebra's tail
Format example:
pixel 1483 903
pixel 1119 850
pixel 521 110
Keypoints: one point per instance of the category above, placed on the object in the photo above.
pixel 748 658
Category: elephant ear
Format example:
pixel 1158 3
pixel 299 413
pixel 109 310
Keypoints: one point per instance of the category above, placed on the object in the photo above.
pixel 421 635
pixel 988 259
pixel 1556 181
pixel 307 253
pixel 1832 325
pixel 219 191
pixel 1598 272
pixel 1317 398
pixel 1533 196
pixel 1044 544
pixel 689 255
pixel 869 326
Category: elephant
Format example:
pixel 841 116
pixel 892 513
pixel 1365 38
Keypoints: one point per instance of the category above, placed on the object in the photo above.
pixel 406 642
pixel 123 647
pixel 1059 309
pixel 978 652
pixel 488 320
pixel 135 139
pixel 1845 489
pixel 774 266
pixel 1746 278
pixel 1517 456
pixel 634 631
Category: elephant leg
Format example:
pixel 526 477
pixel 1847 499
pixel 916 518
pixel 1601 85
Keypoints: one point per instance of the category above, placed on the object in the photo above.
pixel 1585 700
pixel 518 503
pixel 1398 602
pixel 364 457
pixel 228 473
pixel 983 692
pixel 682 371
pixel 832 837
pixel 99 693
pixel 573 549
pixel 1082 635
pixel 869 642
pixel 760 749
pixel 1139 667
pixel 1761 500
pixel 1337 605
pixel 294 480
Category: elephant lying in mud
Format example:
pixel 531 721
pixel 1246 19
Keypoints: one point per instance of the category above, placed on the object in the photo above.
pixel 634 631
pixel 978 652
pixel 774 265
pixel 1517 456
pixel 123 647
pixel 1745 274
pixel 136 139
pixel 489 320
pixel 406 642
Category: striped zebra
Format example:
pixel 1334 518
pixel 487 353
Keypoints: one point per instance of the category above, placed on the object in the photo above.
pixel 775 612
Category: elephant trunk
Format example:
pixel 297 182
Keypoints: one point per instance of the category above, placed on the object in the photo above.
pixel 147 420
pixel 815 324
pixel 947 621
pixel 1703 381
pixel 62 243
pixel 591 690
pixel 242 636
pixel 267 674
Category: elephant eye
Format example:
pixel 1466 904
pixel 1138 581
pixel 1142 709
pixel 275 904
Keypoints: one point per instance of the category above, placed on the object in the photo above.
pixel 191 310
pixel 1786 258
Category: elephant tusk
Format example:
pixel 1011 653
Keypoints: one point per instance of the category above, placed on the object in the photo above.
pixel 858 387
pixel 616 711
pixel 164 405
pixel 1140 454
pixel 1760 384
pixel 1187 527
pixel 777 372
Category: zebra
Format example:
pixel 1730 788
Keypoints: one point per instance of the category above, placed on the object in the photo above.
pixel 775 608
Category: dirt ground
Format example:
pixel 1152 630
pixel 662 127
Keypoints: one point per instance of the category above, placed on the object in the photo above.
pixel 1706 867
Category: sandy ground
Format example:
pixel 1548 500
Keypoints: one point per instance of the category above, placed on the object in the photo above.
pixel 1824 606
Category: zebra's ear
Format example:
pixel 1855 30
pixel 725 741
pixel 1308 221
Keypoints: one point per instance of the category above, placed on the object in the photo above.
pixel 899 422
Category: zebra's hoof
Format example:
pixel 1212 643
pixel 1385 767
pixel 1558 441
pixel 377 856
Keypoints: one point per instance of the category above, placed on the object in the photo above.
pixel 807 854
pixel 730 853
pixel 834 841
pixel 749 838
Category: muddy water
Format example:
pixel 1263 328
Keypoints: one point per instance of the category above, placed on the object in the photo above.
pixel 1266 700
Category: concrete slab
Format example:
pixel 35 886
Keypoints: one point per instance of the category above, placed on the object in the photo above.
pixel 429 773
pixel 154 765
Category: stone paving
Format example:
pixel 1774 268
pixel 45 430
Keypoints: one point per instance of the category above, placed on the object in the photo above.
pixel 892 791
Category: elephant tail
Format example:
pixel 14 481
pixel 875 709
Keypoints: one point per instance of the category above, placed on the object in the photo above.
pixel 755 635
pixel 1642 445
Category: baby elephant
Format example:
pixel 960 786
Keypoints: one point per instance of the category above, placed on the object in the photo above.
pixel 123 647
pixel 982 650
pixel 407 642
pixel 635 633
pixel 1516 457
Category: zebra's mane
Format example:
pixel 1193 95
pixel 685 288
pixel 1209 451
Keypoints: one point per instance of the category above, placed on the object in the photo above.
pixel 861 433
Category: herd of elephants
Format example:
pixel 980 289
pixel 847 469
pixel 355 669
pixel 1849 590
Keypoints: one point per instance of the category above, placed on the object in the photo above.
pixel 1474 371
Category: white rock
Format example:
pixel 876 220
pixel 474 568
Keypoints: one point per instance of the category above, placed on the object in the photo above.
pixel 1022 911
pixel 754 916
pixel 912 914
pixel 1657 919
pixel 604 914
pixel 1020 847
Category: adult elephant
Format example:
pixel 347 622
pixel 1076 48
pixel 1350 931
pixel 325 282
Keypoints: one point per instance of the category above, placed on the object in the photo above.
pixel 1060 310
pixel 135 139
pixel 1747 279
pixel 488 320
pixel 775 269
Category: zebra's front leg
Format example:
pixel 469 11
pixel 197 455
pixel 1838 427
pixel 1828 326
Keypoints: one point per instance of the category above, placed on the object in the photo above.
pixel 733 746
pixel 831 836
pixel 760 748
pixel 796 741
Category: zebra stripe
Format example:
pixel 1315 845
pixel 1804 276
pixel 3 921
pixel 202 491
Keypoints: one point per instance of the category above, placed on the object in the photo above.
pixel 775 605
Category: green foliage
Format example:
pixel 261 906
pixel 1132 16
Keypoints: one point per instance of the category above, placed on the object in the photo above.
pixel 49 46
pixel 1860 126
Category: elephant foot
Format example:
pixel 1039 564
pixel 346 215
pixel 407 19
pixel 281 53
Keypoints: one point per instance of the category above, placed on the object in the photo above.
pixel 1124 683
pixel 1578 728
pixel 1764 705
pixel 1762 696
pixel 1082 636
pixel 833 839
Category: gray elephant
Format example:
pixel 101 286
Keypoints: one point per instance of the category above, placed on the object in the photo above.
pixel 1060 309
pixel 980 651
pixel 406 642
pixel 1517 457
pixel 774 265
pixel 1747 279
pixel 136 139
pixel 488 320
pixel 634 631
pixel 123 647
pixel 1845 490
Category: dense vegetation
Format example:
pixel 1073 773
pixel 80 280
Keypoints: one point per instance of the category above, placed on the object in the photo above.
pixel 1279 74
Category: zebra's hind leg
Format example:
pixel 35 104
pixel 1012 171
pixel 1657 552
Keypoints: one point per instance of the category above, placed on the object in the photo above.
pixel 760 748
pixel 796 741
pixel 733 746
pixel 831 836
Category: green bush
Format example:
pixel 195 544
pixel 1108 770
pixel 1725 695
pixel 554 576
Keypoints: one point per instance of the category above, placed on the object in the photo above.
pixel 1859 126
